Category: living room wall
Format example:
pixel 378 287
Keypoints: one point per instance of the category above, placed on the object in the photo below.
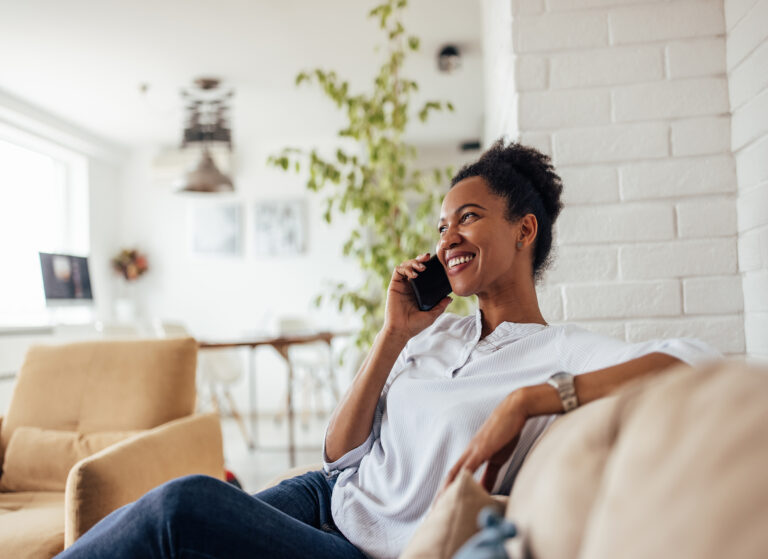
pixel 631 101
pixel 226 297
pixel 747 59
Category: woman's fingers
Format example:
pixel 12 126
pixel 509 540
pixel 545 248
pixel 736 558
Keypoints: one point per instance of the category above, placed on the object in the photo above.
pixel 411 268
pixel 471 460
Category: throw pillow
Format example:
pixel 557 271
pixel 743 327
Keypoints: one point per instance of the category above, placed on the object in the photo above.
pixel 452 520
pixel 40 459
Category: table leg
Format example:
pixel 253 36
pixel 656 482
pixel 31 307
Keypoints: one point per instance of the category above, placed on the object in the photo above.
pixel 252 420
pixel 283 350
pixel 289 398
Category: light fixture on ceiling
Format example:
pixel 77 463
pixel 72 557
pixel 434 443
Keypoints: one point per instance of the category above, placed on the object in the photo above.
pixel 449 59
pixel 207 126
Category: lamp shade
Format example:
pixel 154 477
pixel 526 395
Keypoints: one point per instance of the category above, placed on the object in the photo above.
pixel 206 177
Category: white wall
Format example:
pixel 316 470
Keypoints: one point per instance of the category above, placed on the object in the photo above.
pixel 747 59
pixel 631 101
pixel 219 298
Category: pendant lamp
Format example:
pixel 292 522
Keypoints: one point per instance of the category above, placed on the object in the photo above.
pixel 207 124
pixel 206 177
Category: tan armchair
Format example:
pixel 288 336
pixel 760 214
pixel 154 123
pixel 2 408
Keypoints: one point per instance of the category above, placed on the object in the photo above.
pixel 91 427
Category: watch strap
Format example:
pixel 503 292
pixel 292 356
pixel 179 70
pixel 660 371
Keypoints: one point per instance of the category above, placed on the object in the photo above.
pixel 563 383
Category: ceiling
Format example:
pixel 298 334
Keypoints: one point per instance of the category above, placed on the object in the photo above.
pixel 85 60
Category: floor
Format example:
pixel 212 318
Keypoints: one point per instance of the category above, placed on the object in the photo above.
pixel 255 468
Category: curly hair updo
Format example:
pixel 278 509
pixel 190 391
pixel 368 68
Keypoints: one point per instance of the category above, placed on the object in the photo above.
pixel 526 179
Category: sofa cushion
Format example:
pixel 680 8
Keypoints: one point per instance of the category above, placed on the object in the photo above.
pixel 556 486
pixel 40 459
pixel 31 524
pixel 687 477
pixel 452 520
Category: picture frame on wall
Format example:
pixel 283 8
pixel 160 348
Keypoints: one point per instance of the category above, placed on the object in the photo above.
pixel 279 228
pixel 216 229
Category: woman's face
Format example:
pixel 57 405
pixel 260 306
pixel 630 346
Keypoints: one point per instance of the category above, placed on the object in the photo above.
pixel 477 242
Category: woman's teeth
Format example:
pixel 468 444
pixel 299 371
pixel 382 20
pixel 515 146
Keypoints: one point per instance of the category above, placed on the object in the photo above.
pixel 459 260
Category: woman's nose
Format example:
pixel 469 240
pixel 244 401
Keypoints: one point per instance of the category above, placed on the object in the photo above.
pixel 450 238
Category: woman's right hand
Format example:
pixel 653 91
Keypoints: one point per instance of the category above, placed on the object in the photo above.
pixel 402 316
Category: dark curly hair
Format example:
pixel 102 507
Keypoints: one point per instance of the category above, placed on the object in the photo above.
pixel 527 180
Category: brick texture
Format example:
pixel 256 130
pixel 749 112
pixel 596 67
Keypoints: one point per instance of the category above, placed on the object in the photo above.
pixel 615 223
pixel 701 136
pixel 747 61
pixel 674 20
pixel 704 57
pixel 706 217
pixel 708 295
pixel 632 99
pixel 612 143
pixel 676 177
pixel 671 99
pixel 679 259
pixel 616 300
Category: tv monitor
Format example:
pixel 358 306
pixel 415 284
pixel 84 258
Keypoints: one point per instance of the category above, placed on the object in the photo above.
pixel 65 278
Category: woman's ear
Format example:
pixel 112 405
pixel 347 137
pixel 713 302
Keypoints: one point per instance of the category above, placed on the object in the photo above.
pixel 529 226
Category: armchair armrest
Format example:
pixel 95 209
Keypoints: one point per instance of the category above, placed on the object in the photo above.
pixel 125 471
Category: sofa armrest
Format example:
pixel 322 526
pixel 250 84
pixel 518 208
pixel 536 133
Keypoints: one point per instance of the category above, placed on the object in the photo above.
pixel 125 471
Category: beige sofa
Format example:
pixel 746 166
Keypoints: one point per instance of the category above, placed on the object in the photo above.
pixel 91 427
pixel 671 466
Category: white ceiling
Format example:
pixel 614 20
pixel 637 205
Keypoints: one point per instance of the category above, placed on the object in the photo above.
pixel 84 61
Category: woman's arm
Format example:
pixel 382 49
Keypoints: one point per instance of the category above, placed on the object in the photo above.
pixel 352 420
pixel 497 437
pixel 542 399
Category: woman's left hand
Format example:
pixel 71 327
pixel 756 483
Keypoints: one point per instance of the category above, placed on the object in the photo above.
pixel 494 442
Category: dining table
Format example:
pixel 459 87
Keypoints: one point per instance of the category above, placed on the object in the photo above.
pixel 281 344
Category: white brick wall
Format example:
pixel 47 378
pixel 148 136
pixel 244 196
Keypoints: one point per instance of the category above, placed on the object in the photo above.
pixel 747 65
pixel 631 99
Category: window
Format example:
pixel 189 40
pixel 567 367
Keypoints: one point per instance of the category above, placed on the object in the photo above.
pixel 43 207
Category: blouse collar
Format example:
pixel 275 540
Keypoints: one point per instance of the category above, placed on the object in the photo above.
pixel 506 331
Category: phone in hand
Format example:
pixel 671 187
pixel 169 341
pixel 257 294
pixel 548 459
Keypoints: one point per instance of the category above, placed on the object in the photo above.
pixel 431 285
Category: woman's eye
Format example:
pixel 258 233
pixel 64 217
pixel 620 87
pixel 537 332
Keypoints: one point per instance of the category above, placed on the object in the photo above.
pixel 468 216
pixel 442 229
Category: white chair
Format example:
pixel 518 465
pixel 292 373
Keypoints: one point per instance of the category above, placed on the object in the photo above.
pixel 217 371
pixel 314 374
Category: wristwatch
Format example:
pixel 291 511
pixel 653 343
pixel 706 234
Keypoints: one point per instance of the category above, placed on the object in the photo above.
pixel 563 383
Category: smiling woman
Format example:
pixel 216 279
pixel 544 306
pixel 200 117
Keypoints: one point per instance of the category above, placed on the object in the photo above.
pixel 437 394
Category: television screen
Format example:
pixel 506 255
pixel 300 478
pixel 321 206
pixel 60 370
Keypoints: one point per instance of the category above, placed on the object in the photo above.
pixel 65 277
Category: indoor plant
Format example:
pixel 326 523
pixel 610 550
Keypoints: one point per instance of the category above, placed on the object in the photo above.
pixel 396 204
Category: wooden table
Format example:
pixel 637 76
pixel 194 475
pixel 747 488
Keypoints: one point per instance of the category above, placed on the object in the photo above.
pixel 281 344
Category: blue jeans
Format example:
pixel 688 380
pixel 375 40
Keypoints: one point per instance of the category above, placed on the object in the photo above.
pixel 199 517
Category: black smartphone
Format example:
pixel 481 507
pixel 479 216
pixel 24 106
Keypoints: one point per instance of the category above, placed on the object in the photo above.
pixel 432 285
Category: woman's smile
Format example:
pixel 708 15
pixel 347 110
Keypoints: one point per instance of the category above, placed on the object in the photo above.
pixel 458 261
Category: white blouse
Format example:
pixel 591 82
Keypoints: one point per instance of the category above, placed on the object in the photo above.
pixel 443 386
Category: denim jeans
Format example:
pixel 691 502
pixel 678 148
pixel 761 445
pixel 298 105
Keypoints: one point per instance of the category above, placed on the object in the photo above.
pixel 199 517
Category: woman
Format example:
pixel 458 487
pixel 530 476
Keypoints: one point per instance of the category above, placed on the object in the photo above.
pixel 437 393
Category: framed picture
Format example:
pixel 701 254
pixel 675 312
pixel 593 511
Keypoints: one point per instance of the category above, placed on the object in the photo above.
pixel 279 228
pixel 216 229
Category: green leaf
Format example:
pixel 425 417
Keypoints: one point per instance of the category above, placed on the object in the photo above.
pixel 376 181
